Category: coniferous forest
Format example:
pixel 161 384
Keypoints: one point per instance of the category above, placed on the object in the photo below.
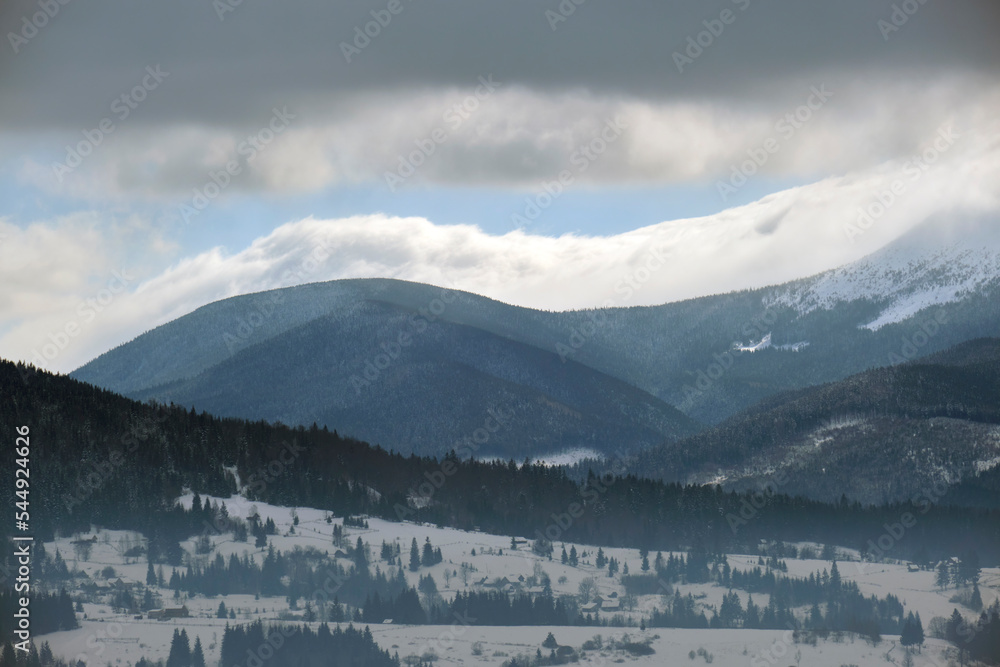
pixel 95 452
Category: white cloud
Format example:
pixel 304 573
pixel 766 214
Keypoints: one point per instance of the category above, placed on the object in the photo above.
pixel 517 137
pixel 784 236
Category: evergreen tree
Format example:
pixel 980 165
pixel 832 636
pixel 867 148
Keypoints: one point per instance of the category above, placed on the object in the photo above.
pixel 150 575
pixel 180 650
pixel 968 568
pixel 222 612
pixel 908 635
pixel 197 656
pixel 943 575
pixel 955 632
pixel 428 557
pixel 8 658
pixel 45 655
pixel 976 601
pixel 414 556
pixel 751 618
pixel 834 579
pixel 360 558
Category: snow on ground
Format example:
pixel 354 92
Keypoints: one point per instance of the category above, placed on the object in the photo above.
pixel 121 639
pixel 568 457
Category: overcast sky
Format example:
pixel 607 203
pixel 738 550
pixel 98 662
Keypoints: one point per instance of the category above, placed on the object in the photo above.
pixel 533 151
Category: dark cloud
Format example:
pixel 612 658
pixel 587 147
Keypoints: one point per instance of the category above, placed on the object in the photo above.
pixel 265 54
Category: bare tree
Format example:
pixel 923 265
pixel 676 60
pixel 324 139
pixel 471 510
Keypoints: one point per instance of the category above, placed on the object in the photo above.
pixel 587 590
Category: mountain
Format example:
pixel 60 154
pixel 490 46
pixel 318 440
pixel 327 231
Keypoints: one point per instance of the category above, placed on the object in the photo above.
pixel 709 357
pixel 714 356
pixel 906 432
pixel 389 362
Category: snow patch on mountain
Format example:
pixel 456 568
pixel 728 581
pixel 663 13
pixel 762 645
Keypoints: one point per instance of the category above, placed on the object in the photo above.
pixel 766 343
pixel 569 457
pixel 933 265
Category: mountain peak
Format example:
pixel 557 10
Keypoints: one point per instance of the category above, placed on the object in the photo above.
pixel 933 264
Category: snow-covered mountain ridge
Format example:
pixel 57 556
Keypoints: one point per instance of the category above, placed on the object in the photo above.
pixel 926 267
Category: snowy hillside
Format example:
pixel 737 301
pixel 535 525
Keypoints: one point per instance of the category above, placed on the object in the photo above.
pixel 926 267
pixel 106 637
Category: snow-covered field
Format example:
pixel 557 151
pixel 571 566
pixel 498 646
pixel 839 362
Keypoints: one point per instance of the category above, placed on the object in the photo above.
pixel 120 639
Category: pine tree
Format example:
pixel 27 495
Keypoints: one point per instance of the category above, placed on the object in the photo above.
pixel 8 658
pixel 222 612
pixel 976 601
pixel 427 559
pixel 414 556
pixel 45 655
pixel 180 650
pixel 197 656
pixel 943 575
pixel 360 558
pixel 834 579
pixel 907 636
pixel 150 575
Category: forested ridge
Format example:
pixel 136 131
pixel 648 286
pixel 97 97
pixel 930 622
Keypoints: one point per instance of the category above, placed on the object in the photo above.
pixel 99 458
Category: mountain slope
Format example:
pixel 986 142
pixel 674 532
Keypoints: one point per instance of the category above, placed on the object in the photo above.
pixel 884 435
pixel 394 377
pixel 710 357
